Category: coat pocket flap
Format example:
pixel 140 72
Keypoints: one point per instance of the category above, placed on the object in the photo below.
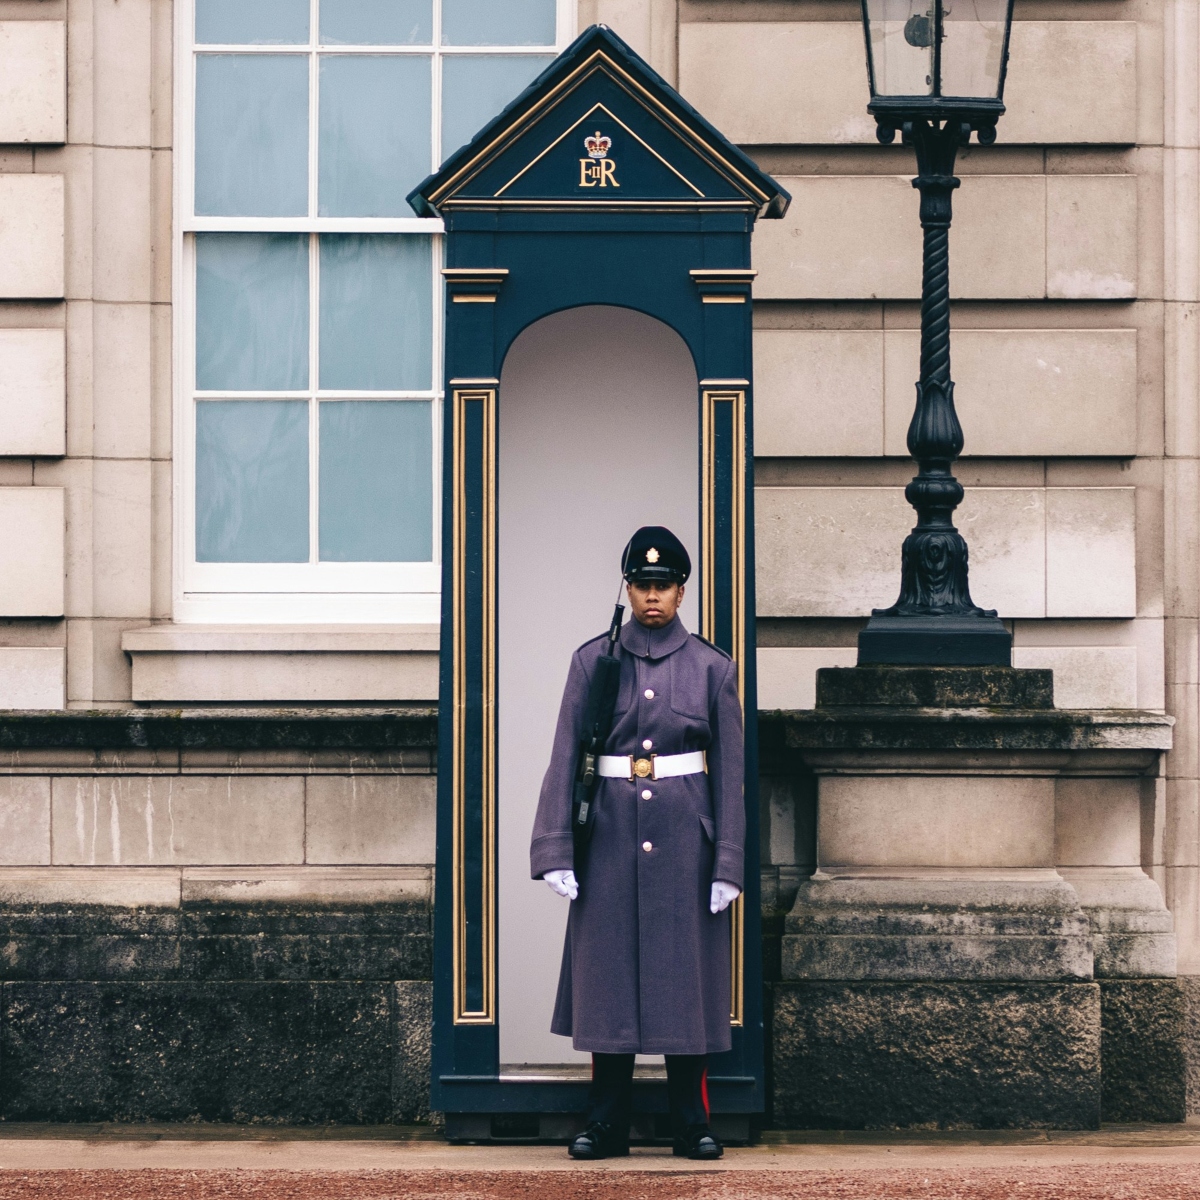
pixel 709 828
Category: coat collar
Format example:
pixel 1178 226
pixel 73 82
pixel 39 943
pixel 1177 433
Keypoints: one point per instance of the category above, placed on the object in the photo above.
pixel 653 643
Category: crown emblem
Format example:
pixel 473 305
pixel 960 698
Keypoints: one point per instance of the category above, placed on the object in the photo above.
pixel 597 145
pixel 652 555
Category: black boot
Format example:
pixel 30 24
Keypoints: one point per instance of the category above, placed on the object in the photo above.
pixel 610 1109
pixel 600 1140
pixel 698 1141
pixel 687 1095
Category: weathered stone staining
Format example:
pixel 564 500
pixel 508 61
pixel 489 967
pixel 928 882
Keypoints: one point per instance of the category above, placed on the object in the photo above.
pixel 938 934
pixel 937 1055
pixel 294 994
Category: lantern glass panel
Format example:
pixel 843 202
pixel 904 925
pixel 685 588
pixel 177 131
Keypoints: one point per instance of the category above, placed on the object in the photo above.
pixel 973 47
pixel 901 35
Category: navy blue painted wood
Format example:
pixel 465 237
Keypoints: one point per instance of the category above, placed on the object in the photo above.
pixel 598 185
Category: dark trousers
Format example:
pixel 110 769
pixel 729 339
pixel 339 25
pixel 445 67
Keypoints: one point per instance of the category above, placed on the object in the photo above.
pixel 611 1099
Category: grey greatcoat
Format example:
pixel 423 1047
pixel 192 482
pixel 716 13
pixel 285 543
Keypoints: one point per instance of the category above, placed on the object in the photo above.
pixel 645 966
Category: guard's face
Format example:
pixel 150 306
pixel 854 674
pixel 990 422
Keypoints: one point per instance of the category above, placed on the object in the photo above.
pixel 654 604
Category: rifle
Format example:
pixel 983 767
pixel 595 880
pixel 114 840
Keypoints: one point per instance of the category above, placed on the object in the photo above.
pixel 597 725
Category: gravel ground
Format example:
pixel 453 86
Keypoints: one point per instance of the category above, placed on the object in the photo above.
pixel 1101 1182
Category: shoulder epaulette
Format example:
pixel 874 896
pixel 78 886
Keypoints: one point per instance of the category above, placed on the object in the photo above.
pixel 600 637
pixel 709 644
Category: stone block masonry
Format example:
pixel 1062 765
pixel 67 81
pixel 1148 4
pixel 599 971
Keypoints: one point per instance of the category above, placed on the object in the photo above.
pixel 1143 1049
pixel 299 992
pixel 902 1055
pixel 293 994
pixel 292 1014
pixel 937 969
pixel 293 1052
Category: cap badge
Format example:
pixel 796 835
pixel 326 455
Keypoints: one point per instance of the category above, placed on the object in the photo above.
pixel 652 555
pixel 597 145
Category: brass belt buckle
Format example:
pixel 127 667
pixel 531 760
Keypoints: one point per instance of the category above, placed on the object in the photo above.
pixel 643 768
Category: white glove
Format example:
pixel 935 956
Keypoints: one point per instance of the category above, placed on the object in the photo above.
pixel 563 882
pixel 723 895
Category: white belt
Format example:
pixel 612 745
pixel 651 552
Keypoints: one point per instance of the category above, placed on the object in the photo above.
pixel 657 766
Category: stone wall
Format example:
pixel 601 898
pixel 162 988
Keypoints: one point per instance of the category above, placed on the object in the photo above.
pixel 217 916
pixel 290 1013
pixel 222 967
pixel 978 944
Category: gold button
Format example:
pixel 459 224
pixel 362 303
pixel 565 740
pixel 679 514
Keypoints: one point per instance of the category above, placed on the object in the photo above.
pixel 647 847
pixel 647 744
pixel 649 693
pixel 647 794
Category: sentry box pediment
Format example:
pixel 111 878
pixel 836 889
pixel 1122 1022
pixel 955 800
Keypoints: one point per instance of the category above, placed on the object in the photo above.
pixel 598 127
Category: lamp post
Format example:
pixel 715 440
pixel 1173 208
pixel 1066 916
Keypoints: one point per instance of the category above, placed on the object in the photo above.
pixel 936 70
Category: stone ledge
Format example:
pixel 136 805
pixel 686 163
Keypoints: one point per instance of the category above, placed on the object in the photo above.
pixel 312 729
pixel 214 664
pixel 935 687
pixel 320 886
pixel 273 639
pixel 888 929
pixel 931 729
pixel 348 937
pixel 159 888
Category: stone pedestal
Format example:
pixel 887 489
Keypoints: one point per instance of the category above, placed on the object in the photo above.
pixel 979 869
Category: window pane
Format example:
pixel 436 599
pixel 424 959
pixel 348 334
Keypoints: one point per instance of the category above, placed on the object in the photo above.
pixel 376 311
pixel 497 22
pixel 476 88
pixel 375 133
pixel 901 47
pixel 376 492
pixel 252 481
pixel 376 22
pixel 251 311
pixel 252 135
pixel 973 48
pixel 260 23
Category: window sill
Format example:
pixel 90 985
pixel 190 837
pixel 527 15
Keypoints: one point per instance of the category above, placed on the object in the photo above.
pixel 289 663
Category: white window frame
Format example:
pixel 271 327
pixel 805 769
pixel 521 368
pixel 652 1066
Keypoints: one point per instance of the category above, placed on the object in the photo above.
pixel 313 592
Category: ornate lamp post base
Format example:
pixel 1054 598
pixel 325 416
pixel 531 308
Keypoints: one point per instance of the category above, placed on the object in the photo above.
pixel 952 640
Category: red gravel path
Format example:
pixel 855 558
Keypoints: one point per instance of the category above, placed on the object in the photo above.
pixel 1107 1182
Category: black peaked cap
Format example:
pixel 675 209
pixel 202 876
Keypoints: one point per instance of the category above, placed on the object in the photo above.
pixel 656 555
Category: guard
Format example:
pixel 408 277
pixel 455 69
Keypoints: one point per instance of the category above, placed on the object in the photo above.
pixel 645 966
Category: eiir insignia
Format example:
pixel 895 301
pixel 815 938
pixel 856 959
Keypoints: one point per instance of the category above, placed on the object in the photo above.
pixel 597 169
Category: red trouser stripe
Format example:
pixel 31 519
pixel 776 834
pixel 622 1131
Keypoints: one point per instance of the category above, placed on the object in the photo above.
pixel 704 1094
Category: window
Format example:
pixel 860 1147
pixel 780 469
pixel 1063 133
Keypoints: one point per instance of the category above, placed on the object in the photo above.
pixel 308 301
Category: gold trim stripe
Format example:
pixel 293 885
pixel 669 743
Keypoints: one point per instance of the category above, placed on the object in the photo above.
pixel 486 1014
pixel 708 470
pixel 487 203
pixel 708 600
pixel 476 274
